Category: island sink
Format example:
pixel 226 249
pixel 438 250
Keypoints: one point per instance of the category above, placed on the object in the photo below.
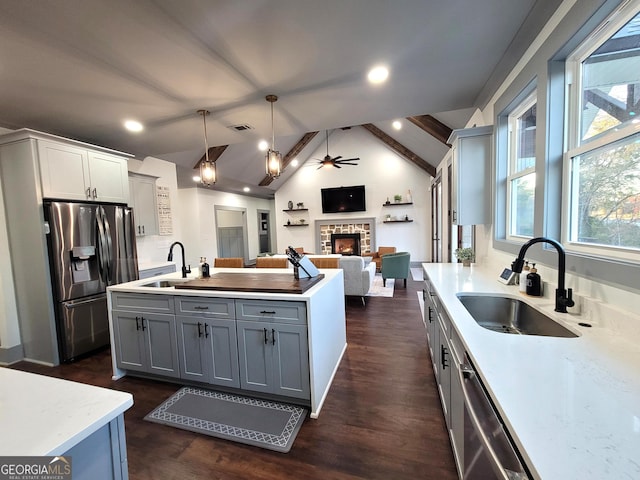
pixel 163 283
pixel 510 315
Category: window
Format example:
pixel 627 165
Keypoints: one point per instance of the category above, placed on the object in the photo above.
pixel 602 164
pixel 521 176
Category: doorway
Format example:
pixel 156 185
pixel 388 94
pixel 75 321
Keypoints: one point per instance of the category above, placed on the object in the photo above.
pixel 264 231
pixel 231 231
pixel 436 219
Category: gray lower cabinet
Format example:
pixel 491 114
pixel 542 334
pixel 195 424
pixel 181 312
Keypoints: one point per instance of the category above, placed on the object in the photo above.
pixel 274 358
pixel 208 350
pixel 146 342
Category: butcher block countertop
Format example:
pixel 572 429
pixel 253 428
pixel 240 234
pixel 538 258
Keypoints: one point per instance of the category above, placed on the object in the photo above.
pixel 252 282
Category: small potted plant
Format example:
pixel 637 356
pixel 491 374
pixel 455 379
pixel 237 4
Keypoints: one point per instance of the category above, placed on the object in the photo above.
pixel 465 255
pixel 397 198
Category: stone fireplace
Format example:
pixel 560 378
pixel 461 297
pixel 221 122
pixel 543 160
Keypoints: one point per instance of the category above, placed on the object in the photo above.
pixel 365 227
pixel 345 243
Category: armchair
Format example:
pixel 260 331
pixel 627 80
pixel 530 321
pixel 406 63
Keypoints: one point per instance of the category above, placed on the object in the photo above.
pixel 376 257
pixel 395 265
pixel 358 278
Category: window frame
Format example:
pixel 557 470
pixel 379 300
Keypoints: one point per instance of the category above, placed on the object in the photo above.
pixel 576 147
pixel 512 138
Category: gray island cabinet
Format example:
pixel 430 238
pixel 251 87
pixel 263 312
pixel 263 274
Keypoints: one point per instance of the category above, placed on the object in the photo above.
pixel 268 344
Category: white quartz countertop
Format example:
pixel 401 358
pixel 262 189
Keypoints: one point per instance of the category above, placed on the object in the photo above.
pixel 572 405
pixel 138 286
pixel 42 415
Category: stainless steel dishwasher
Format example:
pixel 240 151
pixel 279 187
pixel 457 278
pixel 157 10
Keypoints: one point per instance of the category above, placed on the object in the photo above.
pixel 488 451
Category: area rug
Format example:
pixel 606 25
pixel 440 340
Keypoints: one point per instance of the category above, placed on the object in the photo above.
pixel 416 274
pixel 377 290
pixel 262 423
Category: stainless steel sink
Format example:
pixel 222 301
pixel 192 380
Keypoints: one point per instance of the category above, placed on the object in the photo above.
pixel 510 315
pixel 163 283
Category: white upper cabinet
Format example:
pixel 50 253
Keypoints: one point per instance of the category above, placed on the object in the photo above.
pixel 471 177
pixel 142 194
pixel 74 173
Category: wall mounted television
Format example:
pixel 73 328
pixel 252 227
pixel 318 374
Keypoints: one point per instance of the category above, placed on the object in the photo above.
pixel 343 199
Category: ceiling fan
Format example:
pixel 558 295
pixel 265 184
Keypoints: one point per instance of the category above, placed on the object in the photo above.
pixel 328 161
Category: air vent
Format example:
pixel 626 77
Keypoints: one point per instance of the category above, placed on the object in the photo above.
pixel 241 127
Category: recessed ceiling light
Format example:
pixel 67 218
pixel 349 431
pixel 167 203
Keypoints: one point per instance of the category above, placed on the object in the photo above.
pixel 133 126
pixel 397 124
pixel 378 74
pixel 263 145
pixel 246 189
pixel 196 178
pixel 294 162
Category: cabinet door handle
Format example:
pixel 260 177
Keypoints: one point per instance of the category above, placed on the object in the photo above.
pixel 199 330
pixel 95 192
pixel 443 354
pixel 267 312
pixel 137 324
pixel 143 229
pixel 430 315
pixel 139 231
pixel 88 192
pixel 206 332
pixel 199 307
pixel 273 336
pixel 142 322
pixel 454 216
pixel 266 340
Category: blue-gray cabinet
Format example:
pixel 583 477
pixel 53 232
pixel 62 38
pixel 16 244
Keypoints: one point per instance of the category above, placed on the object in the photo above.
pixel 146 342
pixel 207 344
pixel 274 358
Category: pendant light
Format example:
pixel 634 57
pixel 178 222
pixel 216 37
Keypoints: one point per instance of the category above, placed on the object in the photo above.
pixel 207 167
pixel 273 162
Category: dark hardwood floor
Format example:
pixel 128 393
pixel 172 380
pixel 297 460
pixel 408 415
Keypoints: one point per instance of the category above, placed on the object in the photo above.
pixel 381 420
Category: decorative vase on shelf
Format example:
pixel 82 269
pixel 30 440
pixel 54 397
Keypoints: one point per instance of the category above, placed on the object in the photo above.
pixel 290 205
pixel 408 198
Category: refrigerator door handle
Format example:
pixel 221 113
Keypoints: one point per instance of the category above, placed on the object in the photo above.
pixel 102 246
pixel 109 248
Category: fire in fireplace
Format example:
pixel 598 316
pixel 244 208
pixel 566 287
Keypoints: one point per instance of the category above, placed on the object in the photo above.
pixel 345 243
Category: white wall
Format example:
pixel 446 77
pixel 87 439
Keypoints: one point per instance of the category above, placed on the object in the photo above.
pixel 153 249
pixel 9 326
pixel 382 171
pixel 197 220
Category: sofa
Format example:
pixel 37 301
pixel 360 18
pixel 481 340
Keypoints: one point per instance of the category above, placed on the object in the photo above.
pixel 358 277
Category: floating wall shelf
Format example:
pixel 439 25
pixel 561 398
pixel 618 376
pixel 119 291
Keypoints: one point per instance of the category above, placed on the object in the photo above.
pixel 393 204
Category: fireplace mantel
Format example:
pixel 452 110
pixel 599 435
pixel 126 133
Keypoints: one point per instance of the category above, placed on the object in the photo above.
pixel 364 226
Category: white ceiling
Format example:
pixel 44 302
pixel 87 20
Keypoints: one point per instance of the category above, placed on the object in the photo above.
pixel 79 68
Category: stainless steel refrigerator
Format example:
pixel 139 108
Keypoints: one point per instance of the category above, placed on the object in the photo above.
pixel 91 246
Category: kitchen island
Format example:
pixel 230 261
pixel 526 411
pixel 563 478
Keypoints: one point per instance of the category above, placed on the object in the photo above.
pixel 571 405
pixel 45 416
pixel 276 345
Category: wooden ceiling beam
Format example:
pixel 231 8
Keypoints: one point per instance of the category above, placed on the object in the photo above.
pixel 433 127
pixel 401 149
pixel 214 154
pixel 291 154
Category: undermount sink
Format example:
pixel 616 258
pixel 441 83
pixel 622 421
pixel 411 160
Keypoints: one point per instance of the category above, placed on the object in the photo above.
pixel 163 283
pixel 510 315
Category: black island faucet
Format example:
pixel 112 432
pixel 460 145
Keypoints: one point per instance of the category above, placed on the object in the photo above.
pixel 185 269
pixel 563 297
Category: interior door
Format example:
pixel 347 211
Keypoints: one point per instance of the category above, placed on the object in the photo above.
pixel 231 242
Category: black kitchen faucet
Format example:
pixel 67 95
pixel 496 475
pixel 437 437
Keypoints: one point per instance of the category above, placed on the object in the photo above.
pixel 185 269
pixel 563 297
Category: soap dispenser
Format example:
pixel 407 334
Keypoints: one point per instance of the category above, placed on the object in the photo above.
pixel 534 284
pixel 522 284
pixel 205 268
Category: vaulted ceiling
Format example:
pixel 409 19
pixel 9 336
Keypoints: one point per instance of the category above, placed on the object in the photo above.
pixel 79 68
